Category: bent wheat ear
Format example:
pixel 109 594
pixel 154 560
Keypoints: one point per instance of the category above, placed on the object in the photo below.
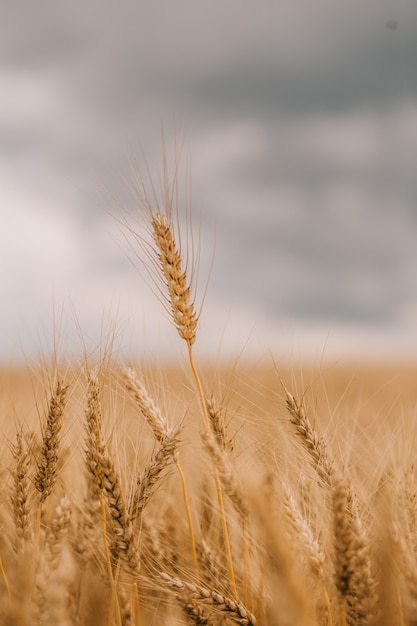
pixel 146 405
pixel 147 481
pixel 314 444
pixel 230 608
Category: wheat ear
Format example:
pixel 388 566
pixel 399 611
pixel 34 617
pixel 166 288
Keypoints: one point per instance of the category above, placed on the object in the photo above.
pixel 354 580
pixel 19 497
pixel 195 613
pixel 55 537
pixel 58 532
pixel 105 478
pixel 95 451
pixel 146 405
pixel 147 481
pixel 179 292
pixel 166 435
pixel 314 444
pixel 230 607
pixel 122 525
pixel 48 462
pixel 310 545
pixel 217 424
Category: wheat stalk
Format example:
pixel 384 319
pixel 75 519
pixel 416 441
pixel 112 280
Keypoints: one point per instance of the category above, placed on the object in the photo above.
pixel 185 319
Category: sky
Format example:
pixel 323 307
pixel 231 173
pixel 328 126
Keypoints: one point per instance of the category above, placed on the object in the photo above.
pixel 297 123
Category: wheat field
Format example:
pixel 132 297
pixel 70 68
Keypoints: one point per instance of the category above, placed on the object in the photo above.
pixel 152 494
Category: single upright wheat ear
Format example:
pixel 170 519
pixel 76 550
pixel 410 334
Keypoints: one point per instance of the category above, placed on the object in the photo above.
pixel 181 303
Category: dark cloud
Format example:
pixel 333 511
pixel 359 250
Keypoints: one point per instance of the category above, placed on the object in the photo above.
pixel 317 221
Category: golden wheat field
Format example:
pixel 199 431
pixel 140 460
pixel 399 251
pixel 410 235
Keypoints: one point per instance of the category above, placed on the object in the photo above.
pixel 151 494
pixel 313 490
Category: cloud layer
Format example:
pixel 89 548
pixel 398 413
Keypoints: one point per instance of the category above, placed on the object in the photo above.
pixel 300 121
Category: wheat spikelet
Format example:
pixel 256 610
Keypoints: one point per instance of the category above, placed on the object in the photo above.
pixel 179 292
pixel 20 496
pixel 217 423
pixel 314 444
pixel 364 608
pixel 58 530
pixel 94 438
pixel 146 405
pixel 353 576
pixel 167 436
pixel 49 602
pixel 124 536
pixel 210 561
pixel 48 461
pixel 231 608
pixel 148 479
pixel 87 524
pixel 195 613
pixel 308 547
pixel 227 473
pixel 304 533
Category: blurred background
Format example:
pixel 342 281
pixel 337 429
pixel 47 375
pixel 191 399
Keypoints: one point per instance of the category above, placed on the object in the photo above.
pixel 298 125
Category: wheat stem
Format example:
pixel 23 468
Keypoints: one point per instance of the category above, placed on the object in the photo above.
pixel 342 615
pixel 187 512
pixel 220 501
pixel 199 388
pixel 4 577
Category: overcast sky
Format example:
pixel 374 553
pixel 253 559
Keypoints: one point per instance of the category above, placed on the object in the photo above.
pixel 299 122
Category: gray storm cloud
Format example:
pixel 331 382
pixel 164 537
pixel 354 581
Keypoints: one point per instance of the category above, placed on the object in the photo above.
pixel 300 120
